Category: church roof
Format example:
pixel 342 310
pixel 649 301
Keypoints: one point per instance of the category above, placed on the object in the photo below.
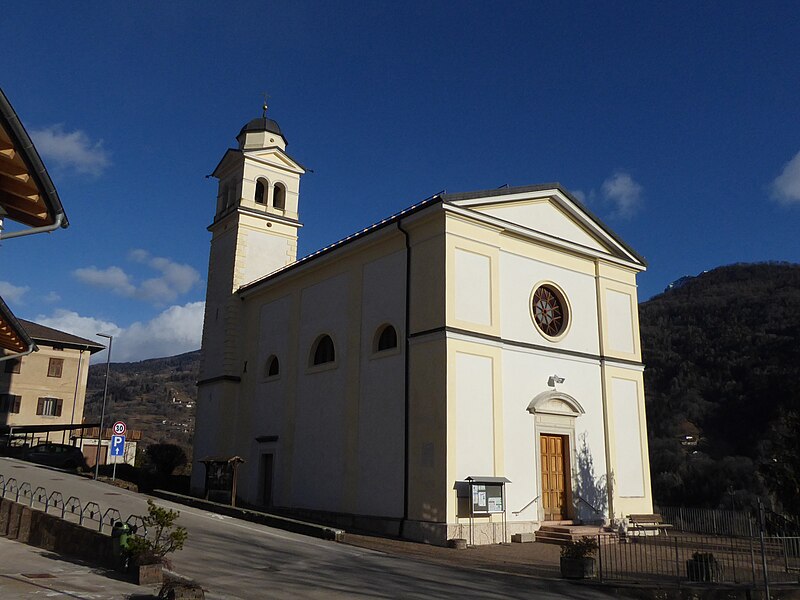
pixel 262 124
pixel 444 198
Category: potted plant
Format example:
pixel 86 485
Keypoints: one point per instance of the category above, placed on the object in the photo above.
pixel 703 566
pixel 577 558
pixel 161 536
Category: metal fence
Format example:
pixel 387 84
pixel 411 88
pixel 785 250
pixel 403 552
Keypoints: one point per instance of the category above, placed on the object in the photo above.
pixel 710 521
pixel 680 558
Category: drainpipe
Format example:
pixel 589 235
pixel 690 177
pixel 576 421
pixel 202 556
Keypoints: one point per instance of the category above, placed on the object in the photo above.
pixel 31 348
pixel 406 379
pixel 77 387
pixel 59 222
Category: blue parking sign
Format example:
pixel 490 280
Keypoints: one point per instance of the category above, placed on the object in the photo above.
pixel 117 445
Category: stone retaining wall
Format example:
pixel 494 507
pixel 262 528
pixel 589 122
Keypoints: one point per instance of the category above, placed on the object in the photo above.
pixel 51 532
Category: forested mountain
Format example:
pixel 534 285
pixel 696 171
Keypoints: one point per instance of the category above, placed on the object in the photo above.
pixel 155 396
pixel 722 381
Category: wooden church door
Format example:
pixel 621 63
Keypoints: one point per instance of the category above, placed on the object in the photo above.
pixel 555 475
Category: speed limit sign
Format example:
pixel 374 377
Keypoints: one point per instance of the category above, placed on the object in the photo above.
pixel 119 428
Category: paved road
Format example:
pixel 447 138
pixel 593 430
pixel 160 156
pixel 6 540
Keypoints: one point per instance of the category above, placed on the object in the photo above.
pixel 240 560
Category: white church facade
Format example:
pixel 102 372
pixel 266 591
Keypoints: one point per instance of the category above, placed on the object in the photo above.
pixel 488 334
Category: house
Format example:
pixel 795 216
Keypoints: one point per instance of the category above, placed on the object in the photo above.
pixel 485 336
pixel 47 387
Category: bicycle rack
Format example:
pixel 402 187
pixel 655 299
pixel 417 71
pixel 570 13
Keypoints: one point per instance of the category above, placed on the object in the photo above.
pixel 55 499
pixel 72 503
pixel 39 495
pixel 110 517
pixel 93 509
pixel 24 491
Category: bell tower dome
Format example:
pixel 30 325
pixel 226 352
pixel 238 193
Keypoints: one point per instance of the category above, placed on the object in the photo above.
pixel 254 233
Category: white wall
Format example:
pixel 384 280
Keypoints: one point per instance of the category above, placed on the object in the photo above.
pixel 629 477
pixel 519 275
pixel 381 409
pixel 473 302
pixel 318 455
pixel 474 426
pixel 619 321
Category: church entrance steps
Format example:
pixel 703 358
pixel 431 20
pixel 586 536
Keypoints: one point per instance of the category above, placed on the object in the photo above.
pixel 558 533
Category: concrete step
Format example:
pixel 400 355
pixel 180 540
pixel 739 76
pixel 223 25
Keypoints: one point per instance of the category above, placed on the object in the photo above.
pixel 561 534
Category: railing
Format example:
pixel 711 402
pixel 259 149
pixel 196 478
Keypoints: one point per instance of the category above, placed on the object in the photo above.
pixel 88 515
pixel 710 521
pixel 516 512
pixel 682 558
pixel 587 503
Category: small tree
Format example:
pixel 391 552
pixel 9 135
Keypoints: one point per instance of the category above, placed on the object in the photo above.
pixel 165 458
pixel 162 536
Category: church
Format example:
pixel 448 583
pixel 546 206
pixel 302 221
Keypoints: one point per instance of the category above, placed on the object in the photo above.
pixel 488 336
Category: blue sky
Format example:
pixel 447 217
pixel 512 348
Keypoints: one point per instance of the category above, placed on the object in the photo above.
pixel 676 122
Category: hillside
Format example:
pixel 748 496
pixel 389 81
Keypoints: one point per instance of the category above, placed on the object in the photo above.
pixel 722 355
pixel 156 396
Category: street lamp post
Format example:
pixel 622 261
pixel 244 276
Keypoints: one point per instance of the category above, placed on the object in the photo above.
pixel 103 410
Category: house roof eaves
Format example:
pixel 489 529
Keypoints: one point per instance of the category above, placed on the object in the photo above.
pixel 44 334
pixel 8 320
pixel 36 169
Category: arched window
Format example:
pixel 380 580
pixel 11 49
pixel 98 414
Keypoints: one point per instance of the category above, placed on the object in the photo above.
pixel 279 196
pixel 225 196
pixel 386 338
pixel 261 191
pixel 324 352
pixel 272 367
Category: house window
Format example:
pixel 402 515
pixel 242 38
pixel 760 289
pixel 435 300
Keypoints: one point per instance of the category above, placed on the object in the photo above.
pixel 49 407
pixel 272 367
pixel 9 403
pixel 324 351
pixel 386 338
pixel 56 367
pixel 279 196
pixel 13 364
pixel 261 192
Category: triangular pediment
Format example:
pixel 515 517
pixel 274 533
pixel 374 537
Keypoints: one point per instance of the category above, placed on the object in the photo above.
pixel 276 157
pixel 549 212
pixel 273 157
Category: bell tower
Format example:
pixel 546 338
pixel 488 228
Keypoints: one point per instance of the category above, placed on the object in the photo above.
pixel 254 233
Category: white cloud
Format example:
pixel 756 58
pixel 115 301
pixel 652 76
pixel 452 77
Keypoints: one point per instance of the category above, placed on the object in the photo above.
pixel 623 193
pixel 786 186
pixel 176 330
pixel 51 298
pixel 580 195
pixel 71 150
pixel 112 278
pixel 11 292
pixel 175 279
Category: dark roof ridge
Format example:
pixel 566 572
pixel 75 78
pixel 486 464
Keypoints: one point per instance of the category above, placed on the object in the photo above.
pixel 44 333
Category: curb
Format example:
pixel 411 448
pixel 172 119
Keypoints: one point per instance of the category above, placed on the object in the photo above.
pixel 310 529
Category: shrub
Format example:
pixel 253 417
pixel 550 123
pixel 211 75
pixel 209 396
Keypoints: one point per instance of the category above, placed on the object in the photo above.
pixel 581 548
pixel 162 536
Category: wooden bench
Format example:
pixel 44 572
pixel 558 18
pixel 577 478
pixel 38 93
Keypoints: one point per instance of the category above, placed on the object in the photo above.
pixel 644 523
